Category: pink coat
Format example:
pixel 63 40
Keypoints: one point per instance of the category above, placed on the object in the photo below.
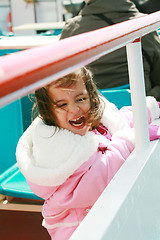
pixel 70 171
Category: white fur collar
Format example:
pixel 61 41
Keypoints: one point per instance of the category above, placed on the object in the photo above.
pixel 153 107
pixel 111 119
pixel 47 156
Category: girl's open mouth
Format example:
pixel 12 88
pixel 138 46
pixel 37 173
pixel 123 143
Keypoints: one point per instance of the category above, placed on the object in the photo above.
pixel 80 121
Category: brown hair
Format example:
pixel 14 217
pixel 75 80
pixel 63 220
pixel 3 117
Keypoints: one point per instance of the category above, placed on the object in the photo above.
pixel 43 104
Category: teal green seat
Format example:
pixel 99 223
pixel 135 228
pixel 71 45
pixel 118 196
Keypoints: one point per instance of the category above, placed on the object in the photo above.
pixel 120 98
pixel 12 182
pixel 27 105
pixel 8 51
pixel 11 129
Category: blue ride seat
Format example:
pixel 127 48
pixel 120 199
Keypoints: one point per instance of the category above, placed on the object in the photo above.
pixel 11 129
pixel 8 51
pixel 27 105
pixel 120 97
pixel 12 182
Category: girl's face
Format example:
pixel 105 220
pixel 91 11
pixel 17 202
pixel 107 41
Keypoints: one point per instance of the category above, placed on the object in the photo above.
pixel 72 107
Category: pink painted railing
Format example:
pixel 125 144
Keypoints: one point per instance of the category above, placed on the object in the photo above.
pixel 23 72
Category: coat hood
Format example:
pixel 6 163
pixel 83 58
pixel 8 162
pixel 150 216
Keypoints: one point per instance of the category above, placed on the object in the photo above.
pixel 48 156
pixel 118 11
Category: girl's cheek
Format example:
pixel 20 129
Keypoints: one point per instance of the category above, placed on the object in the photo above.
pixel 58 111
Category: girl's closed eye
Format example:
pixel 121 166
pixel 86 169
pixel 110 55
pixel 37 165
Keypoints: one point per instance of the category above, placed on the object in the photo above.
pixel 62 105
pixel 82 99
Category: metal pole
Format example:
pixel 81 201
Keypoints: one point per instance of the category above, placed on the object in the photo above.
pixel 35 12
pixel 59 11
pixel 136 76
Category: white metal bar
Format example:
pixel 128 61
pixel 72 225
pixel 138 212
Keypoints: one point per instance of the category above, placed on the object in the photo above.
pixel 59 10
pixel 136 76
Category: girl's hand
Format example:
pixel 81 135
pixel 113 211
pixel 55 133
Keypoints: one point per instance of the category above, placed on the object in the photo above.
pixel 154 132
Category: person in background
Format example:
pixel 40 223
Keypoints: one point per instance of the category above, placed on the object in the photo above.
pixel 147 6
pixel 74 147
pixel 111 70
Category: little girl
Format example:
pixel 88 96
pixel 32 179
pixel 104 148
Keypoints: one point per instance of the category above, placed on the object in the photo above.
pixel 72 150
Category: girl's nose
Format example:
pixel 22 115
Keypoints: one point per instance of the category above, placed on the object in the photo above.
pixel 73 108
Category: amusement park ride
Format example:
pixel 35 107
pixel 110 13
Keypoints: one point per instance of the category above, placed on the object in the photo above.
pixel 129 208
